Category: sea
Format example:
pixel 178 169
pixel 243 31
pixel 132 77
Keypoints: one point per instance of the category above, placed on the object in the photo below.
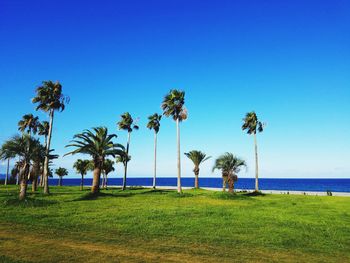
pixel 310 185
pixel 313 185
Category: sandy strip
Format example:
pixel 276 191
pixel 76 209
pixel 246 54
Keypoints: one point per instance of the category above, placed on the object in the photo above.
pixel 249 191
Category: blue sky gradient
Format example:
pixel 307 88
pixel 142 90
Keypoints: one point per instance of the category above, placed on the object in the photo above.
pixel 287 60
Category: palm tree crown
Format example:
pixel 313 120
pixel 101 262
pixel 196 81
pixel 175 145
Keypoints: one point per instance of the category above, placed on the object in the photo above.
pixel 82 166
pixel 49 97
pixel 43 128
pixel 228 163
pixel 154 122
pixel 173 105
pixel 197 157
pixel 127 123
pixel 21 146
pixel 28 123
pixel 252 124
pixel 61 171
pixel 108 166
pixel 99 144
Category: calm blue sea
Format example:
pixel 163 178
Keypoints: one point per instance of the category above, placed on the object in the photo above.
pixel 318 185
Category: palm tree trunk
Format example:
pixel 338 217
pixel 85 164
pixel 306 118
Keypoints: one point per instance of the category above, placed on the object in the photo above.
pixel 155 160
pixel 224 181
pixel 126 163
pixel 34 182
pixel 230 183
pixel 196 181
pixel 179 189
pixel 17 179
pixel 41 182
pixel 96 180
pixel 46 162
pixel 256 164
pixel 82 182
pixel 60 181
pixel 106 181
pixel 103 179
pixel 7 171
pixel 24 182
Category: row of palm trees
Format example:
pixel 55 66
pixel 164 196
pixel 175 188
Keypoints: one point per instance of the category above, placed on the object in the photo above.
pixel 98 143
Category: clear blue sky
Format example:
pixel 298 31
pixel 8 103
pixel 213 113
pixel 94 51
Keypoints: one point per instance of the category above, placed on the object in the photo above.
pixel 287 60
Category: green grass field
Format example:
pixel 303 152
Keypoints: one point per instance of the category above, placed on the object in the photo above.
pixel 141 225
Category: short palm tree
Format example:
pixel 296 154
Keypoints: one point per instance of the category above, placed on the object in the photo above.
pixel 197 157
pixel 229 165
pixel 23 147
pixel 107 168
pixel 123 159
pixel 15 171
pixel 127 124
pixel 99 145
pixel 49 98
pixel 6 155
pixel 252 125
pixel 173 105
pixel 43 130
pixel 61 172
pixel 154 124
pixel 81 167
pixel 28 124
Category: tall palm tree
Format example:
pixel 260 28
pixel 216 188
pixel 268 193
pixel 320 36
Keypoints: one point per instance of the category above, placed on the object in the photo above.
pixel 49 98
pixel 107 168
pixel 61 172
pixel 127 124
pixel 197 157
pixel 154 124
pixel 28 124
pixel 99 145
pixel 229 165
pixel 23 147
pixel 252 125
pixel 81 167
pixel 173 105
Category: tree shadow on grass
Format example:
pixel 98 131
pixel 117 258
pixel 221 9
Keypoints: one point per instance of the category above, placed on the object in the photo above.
pixel 255 193
pixel 28 202
pixel 231 196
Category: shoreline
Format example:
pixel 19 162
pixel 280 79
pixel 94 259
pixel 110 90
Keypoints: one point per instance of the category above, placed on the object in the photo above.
pixel 282 192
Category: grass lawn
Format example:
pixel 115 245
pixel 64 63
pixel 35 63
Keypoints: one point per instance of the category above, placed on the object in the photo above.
pixel 141 225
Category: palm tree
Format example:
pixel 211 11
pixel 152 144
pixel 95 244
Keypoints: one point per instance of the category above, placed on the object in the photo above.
pixel 252 125
pixel 173 105
pixel 49 98
pixel 99 145
pixel 28 124
pixel 24 148
pixel 61 172
pixel 154 124
pixel 107 168
pixel 229 165
pixel 197 157
pixel 81 167
pixel 127 124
